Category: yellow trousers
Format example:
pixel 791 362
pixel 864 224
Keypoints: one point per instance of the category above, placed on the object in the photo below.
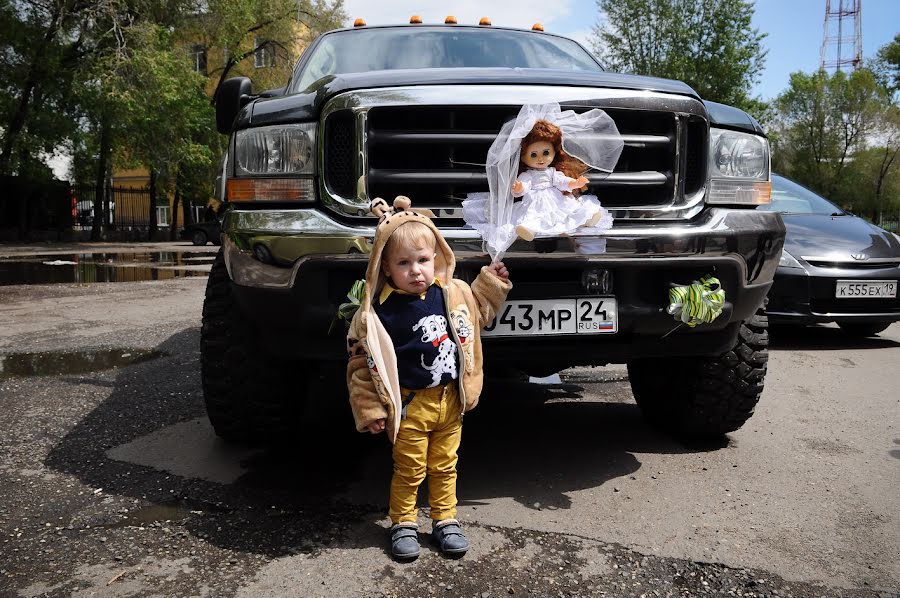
pixel 426 445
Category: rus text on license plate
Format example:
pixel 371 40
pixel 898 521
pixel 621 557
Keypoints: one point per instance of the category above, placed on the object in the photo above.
pixel 866 289
pixel 580 315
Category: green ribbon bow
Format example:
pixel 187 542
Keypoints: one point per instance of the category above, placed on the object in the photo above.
pixel 346 311
pixel 698 303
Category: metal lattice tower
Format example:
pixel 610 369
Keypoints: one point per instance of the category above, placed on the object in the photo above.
pixel 843 32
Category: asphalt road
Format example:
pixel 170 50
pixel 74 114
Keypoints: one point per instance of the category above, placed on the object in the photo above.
pixel 113 484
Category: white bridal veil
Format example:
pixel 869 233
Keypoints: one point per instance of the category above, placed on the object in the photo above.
pixel 592 137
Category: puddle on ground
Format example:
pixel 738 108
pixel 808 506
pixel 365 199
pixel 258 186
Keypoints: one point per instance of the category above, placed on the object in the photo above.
pixel 173 510
pixel 103 267
pixel 76 362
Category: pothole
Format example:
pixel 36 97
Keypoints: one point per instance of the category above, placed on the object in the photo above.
pixel 102 267
pixel 76 362
pixel 173 510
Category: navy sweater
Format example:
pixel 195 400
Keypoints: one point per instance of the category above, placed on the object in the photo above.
pixel 426 353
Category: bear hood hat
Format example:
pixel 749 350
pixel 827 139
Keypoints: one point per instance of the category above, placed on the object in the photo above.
pixel 392 217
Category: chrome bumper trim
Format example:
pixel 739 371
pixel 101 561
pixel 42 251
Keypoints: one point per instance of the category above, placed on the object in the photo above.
pixel 265 248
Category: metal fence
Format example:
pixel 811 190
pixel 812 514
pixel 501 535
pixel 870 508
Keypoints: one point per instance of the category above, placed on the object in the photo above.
pixel 891 224
pixel 129 209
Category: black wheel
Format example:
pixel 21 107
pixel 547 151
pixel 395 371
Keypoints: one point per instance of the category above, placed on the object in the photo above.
pixel 249 396
pixel 863 329
pixel 705 397
pixel 198 237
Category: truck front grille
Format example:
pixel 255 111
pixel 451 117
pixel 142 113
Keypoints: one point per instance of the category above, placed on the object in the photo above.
pixel 436 155
pixel 339 150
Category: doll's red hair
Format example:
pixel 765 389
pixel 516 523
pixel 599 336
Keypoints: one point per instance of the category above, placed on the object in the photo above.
pixel 544 130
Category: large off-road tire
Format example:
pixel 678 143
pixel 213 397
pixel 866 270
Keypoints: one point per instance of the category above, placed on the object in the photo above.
pixel 863 329
pixel 703 398
pixel 198 237
pixel 250 397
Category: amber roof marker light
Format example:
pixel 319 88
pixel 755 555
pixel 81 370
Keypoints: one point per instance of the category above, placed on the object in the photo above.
pixel 537 27
pixel 485 22
pixel 359 23
pixel 450 20
pixel 415 20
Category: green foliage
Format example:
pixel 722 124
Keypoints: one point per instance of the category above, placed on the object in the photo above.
pixel 40 44
pixel 824 120
pixel 708 44
pixel 887 65
pixel 278 28
pixel 840 135
pixel 75 72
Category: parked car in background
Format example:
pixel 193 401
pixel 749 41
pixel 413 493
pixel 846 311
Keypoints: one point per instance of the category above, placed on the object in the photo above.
pixel 200 233
pixel 835 267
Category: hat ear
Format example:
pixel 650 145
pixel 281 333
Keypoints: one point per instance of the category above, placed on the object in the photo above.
pixel 401 202
pixel 380 208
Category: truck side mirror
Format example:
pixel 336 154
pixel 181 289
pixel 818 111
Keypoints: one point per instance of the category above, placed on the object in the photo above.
pixel 233 94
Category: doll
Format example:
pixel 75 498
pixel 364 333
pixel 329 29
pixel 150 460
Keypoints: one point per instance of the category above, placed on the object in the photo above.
pixel 547 178
pixel 541 157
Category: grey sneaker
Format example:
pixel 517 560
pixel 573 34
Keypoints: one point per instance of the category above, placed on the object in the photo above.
pixel 449 537
pixel 404 542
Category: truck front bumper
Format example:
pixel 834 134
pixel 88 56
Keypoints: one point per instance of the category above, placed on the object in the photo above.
pixel 292 268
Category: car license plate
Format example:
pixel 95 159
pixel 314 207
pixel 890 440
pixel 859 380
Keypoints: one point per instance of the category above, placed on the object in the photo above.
pixel 866 289
pixel 580 315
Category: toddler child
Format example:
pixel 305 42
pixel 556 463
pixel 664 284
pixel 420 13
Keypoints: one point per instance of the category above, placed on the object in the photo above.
pixel 415 365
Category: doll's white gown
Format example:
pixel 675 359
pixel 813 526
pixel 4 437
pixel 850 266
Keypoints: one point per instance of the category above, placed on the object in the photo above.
pixel 544 209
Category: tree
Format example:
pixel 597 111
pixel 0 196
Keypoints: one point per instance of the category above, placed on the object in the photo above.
pixel 268 32
pixel 41 44
pixel 166 123
pixel 824 120
pixel 708 44
pixel 887 66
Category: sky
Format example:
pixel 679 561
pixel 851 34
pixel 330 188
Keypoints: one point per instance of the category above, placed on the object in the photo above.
pixel 794 28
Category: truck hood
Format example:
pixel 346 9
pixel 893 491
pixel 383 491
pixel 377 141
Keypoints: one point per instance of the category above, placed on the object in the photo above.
pixel 307 105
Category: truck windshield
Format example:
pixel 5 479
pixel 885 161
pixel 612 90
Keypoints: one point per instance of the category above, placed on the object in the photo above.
pixel 419 48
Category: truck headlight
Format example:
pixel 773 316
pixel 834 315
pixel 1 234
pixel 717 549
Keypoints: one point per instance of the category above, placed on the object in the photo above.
pixel 287 149
pixel 738 168
pixel 274 164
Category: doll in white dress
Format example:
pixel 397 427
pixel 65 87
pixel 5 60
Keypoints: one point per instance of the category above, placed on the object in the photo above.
pixel 541 157
pixel 548 205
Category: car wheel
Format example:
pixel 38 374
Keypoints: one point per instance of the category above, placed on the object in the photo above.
pixel 198 237
pixel 697 398
pixel 249 396
pixel 863 329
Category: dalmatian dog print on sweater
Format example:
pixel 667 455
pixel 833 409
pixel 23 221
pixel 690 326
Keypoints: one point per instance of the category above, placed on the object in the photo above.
pixel 434 331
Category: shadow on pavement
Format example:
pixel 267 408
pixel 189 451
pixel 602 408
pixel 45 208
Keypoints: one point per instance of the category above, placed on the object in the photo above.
pixel 824 338
pixel 307 491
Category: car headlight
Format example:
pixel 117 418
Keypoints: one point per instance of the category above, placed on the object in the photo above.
pixel 283 149
pixel 788 261
pixel 738 168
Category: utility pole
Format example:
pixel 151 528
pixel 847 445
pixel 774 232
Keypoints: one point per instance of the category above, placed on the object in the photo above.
pixel 839 22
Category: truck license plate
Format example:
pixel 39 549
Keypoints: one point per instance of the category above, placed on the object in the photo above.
pixel 579 315
pixel 862 289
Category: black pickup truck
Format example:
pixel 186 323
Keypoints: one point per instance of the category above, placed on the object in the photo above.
pixel 412 110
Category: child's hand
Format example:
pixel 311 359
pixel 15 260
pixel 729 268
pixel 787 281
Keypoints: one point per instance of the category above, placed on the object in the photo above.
pixel 499 270
pixel 377 426
pixel 518 187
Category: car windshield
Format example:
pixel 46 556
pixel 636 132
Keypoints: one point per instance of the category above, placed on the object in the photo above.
pixel 360 51
pixel 790 198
